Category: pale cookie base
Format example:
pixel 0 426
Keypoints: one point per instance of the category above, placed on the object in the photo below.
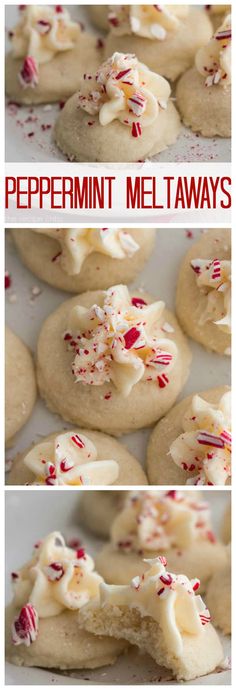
pixel 98 15
pixel 226 524
pixel 201 653
pixel 161 469
pixel 61 644
pixel 205 109
pixel 97 511
pixel 59 78
pixel 113 142
pixel 190 300
pixel 130 471
pixel 85 405
pixel 20 385
pixel 98 271
pixel 218 600
pixel 170 57
pixel 201 560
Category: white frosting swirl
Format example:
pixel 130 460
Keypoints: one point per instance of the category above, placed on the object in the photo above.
pixel 157 520
pixel 120 339
pixel 77 244
pixel 70 459
pixel 42 32
pixel 126 90
pixel 214 280
pixel 213 61
pixel 205 446
pixel 56 578
pixel 149 21
pixel 168 599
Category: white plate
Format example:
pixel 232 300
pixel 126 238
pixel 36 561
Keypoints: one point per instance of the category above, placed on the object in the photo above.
pixel 31 515
pixel 27 140
pixel 26 316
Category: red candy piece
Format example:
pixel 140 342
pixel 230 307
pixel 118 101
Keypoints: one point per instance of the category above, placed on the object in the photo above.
pixel 131 337
pixel 138 302
pixel 25 627
pixel 29 72
pixel 54 571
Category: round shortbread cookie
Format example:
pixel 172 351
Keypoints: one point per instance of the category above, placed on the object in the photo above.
pixel 20 385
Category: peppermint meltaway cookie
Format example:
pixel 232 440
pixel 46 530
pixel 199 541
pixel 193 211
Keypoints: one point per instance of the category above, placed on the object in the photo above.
pixel 122 112
pixel 217 13
pixel 203 295
pixel 97 516
pixel 164 37
pixel 226 524
pixel 77 458
pixel 42 620
pixel 176 525
pixel 218 597
pixel 192 443
pixel 83 259
pixel 99 15
pixel 49 55
pixel 203 93
pixel 112 360
pixel 163 615
pixel 20 385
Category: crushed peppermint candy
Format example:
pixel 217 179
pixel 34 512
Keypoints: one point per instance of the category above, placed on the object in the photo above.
pixel 25 626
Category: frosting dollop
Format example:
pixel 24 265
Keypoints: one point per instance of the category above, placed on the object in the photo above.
pixel 148 21
pixel 168 599
pixel 120 339
pixel 157 520
pixel 213 61
pixel 126 90
pixel 214 280
pixel 41 33
pixel 77 244
pixel 70 459
pixel 56 579
pixel 204 447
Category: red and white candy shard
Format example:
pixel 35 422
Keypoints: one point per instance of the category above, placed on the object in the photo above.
pixel 54 571
pixel 120 340
pixel 25 626
pixel 126 90
pixel 28 75
pixel 203 450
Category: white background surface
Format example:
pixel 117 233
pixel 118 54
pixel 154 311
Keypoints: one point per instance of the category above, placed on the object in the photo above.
pixel 30 515
pixel 26 315
pixel 40 147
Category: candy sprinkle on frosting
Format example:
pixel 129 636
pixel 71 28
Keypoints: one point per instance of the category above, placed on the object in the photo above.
pixel 42 32
pixel 168 599
pixel 126 90
pixel 70 459
pixel 154 22
pixel 213 61
pixel 213 277
pixel 120 340
pixel 203 450
pixel 57 578
pixel 77 244
pixel 153 521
